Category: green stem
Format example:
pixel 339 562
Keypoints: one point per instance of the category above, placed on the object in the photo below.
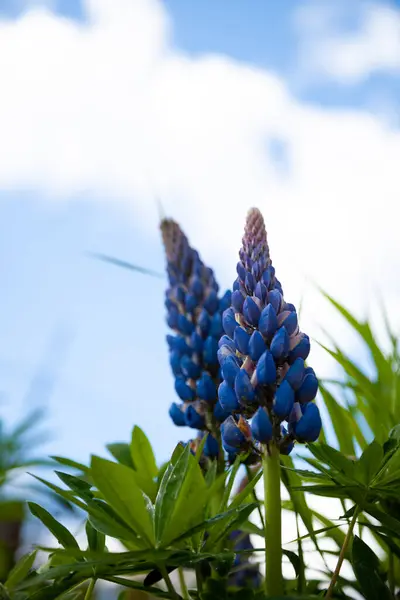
pixel 273 521
pixel 342 553
pixel 90 589
pixel 168 582
pixel 184 590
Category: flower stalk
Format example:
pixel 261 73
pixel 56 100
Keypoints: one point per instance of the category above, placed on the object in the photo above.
pixel 273 521
pixel 342 554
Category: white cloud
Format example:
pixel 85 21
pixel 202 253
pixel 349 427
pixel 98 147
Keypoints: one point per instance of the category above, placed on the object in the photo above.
pixel 112 107
pixel 350 57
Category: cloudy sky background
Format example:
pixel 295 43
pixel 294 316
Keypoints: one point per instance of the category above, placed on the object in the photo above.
pixel 212 107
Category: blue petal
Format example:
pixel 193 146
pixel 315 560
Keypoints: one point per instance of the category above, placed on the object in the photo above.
pixel 241 339
pixel 237 300
pixel 196 342
pixel 225 301
pixel 302 350
pixel 308 428
pixel 191 303
pixel 268 323
pixel 250 283
pixel 251 312
pixel 241 271
pixel 177 415
pixel 261 426
pixel 211 302
pixel 266 278
pixel 175 362
pixel 184 325
pixel 220 414
pixel 243 388
pixel 216 326
pixel 275 298
pixel 173 318
pixel 229 322
pixel 308 389
pixel 230 368
pixel 256 346
pixel 261 292
pixel 210 351
pixel 197 287
pixel 183 390
pixel 227 398
pixel 280 344
pixel 236 285
pixel 204 322
pixel 266 369
pixel 193 419
pixel 290 323
pixel 190 368
pixel 226 341
pixel 211 447
pixel 295 373
pixel 206 389
pixel 226 350
pixel 231 434
pixel 284 400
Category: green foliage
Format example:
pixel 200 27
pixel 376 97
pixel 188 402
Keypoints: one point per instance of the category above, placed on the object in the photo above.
pixel 182 513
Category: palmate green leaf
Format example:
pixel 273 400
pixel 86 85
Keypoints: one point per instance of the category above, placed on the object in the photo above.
pixel 333 458
pixel 366 569
pixel 135 585
pixel 231 518
pixel 66 462
pixel 369 463
pixel 61 533
pixel 122 453
pixel 118 485
pixel 100 514
pixel 96 539
pixel 20 570
pixel 144 462
pixel 79 486
pixel 223 527
pixel 142 453
pixel 329 491
pixel 181 498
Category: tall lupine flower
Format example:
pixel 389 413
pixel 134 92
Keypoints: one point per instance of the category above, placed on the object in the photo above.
pixel 262 357
pixel 194 313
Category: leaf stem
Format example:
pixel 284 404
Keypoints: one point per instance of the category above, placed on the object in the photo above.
pixel 184 590
pixel 90 589
pixel 342 553
pixel 273 521
pixel 168 582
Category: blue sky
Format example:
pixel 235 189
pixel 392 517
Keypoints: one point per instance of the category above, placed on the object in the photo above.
pixel 213 106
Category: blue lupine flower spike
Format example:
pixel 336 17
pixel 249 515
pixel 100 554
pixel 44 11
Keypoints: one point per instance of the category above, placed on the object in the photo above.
pixel 194 313
pixel 263 351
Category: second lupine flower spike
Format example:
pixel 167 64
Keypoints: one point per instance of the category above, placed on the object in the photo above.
pixel 194 313
pixel 262 353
